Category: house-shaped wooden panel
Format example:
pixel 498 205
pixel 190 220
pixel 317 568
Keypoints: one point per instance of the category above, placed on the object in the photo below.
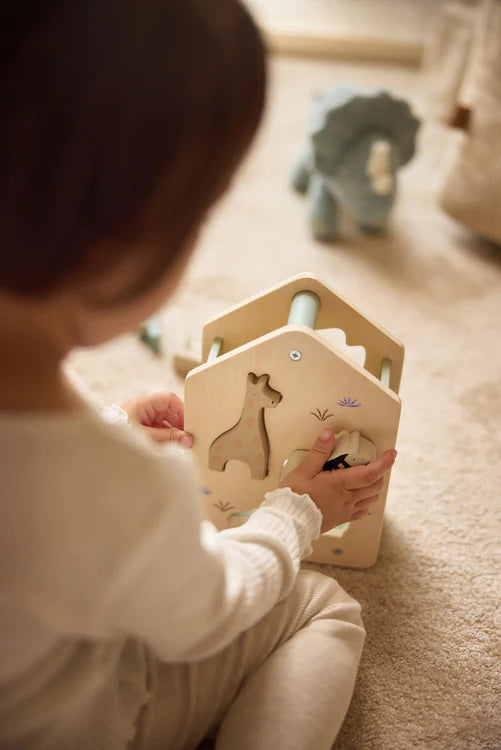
pixel 255 405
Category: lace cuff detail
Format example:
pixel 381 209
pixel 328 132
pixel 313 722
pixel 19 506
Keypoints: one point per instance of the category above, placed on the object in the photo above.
pixel 114 414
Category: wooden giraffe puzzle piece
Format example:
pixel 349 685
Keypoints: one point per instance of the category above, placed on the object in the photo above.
pixel 247 440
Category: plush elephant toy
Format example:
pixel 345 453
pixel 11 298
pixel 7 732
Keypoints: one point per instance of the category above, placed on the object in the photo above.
pixel 357 142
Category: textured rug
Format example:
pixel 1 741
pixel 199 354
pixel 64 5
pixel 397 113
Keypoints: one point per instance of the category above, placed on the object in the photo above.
pixel 430 675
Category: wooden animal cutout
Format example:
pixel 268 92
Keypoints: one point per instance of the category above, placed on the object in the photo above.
pixel 247 440
pixel 351 449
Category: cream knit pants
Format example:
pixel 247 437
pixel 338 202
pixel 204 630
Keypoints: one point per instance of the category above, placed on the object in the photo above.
pixel 284 684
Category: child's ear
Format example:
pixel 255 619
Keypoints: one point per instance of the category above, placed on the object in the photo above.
pixel 117 267
pixel 113 268
pixel 108 301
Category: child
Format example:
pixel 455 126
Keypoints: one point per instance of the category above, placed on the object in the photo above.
pixel 125 620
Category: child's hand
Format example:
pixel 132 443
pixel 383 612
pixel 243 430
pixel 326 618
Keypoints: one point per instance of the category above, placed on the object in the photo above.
pixel 162 416
pixel 343 494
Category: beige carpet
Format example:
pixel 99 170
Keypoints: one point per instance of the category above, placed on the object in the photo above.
pixel 430 676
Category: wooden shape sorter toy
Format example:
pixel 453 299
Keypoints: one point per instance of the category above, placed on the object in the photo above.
pixel 271 380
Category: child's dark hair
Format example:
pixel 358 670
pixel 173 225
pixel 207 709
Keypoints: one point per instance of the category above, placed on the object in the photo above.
pixel 119 120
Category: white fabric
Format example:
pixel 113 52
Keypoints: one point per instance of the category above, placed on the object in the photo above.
pixel 446 58
pixel 114 414
pixel 103 553
pixel 464 64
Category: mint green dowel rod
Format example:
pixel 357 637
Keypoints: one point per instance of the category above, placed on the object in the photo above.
pixel 386 372
pixel 216 349
pixel 304 309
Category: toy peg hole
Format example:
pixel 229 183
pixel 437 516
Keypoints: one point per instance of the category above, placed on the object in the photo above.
pixel 304 309
pixel 385 377
pixel 216 349
pixel 338 532
pixel 240 517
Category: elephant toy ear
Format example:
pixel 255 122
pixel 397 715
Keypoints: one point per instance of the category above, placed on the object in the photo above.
pixel 345 113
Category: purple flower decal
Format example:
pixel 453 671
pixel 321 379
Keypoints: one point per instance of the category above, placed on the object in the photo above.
pixel 352 403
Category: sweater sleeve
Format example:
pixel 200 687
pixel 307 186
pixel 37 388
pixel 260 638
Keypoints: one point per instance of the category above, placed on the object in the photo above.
pixel 188 590
pixel 110 540
pixel 105 537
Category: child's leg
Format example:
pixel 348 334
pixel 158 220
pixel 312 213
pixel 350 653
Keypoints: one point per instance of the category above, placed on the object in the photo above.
pixel 287 682
pixel 298 697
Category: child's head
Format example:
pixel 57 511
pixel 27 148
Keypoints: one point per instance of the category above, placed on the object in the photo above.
pixel 121 123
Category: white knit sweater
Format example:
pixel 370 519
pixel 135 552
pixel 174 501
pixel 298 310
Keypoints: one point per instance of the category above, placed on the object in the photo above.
pixel 106 563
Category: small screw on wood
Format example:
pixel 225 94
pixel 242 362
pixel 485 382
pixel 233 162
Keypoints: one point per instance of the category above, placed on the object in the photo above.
pixel 295 355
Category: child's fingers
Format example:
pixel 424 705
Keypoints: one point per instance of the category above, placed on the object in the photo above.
pixel 318 454
pixel 366 502
pixel 363 476
pixel 370 491
pixel 166 407
pixel 170 434
pixel 359 514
